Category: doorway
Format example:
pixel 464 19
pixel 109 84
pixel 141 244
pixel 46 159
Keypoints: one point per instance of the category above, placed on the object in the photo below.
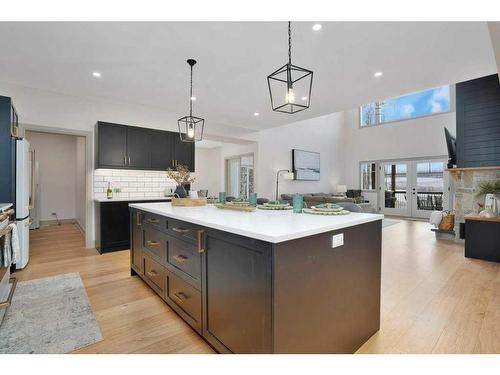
pixel 240 176
pixel 413 188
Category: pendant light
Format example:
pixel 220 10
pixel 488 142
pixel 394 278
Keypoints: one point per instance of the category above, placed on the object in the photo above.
pixel 191 127
pixel 290 86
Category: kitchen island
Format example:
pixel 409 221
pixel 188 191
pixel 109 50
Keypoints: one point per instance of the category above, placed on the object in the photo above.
pixel 263 281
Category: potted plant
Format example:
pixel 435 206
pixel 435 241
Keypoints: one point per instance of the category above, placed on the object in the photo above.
pixel 182 177
pixel 490 189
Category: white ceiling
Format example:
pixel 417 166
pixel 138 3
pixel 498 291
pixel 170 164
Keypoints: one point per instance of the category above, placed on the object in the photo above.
pixel 144 63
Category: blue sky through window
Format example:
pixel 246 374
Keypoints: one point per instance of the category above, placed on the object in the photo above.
pixel 412 105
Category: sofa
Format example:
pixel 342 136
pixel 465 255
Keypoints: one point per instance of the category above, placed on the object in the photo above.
pixel 310 199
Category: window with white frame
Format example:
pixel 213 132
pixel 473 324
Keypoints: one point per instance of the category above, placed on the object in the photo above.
pixel 368 175
pixel 417 104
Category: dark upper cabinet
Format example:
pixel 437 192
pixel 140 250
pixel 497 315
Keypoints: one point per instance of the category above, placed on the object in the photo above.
pixel 138 147
pixel 111 145
pixel 130 147
pixel 162 152
pixel 184 153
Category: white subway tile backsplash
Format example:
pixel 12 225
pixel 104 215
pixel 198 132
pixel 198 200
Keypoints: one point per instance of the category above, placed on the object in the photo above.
pixel 136 184
pixel 129 179
pixel 133 184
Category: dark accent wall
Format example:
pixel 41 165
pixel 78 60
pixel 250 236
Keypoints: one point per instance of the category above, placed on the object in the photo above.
pixel 478 122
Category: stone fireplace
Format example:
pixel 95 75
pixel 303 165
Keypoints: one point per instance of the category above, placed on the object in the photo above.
pixel 464 189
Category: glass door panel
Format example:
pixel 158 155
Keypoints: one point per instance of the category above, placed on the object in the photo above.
pixel 428 190
pixel 395 188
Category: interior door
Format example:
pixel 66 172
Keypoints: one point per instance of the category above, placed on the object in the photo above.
pixel 395 188
pixel 429 187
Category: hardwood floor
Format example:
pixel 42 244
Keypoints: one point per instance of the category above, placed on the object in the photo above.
pixel 434 300
pixel 132 318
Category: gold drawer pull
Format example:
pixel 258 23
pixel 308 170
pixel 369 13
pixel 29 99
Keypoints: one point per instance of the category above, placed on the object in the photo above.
pixel 152 243
pixel 181 230
pixel 139 223
pixel 152 273
pixel 180 258
pixel 181 297
pixel 154 221
pixel 201 241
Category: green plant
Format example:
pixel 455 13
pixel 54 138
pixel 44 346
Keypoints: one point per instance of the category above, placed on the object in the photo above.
pixel 489 187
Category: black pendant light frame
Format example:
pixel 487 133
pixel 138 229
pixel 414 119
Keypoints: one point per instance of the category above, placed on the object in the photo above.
pixel 290 75
pixel 191 127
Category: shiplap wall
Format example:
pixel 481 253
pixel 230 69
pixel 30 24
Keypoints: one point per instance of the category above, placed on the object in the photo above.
pixel 478 122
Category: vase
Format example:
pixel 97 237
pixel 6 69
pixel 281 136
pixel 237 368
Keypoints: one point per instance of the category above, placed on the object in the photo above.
pixel 180 191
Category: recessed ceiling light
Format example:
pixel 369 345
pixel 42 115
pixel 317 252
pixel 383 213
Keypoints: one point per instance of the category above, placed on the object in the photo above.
pixel 96 74
pixel 256 113
pixel 378 74
pixel 317 27
pixel 304 98
pixel 193 98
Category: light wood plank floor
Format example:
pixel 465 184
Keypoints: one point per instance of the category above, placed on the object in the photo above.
pixel 433 299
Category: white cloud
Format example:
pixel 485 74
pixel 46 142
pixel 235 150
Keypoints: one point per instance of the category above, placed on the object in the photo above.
pixel 435 106
pixel 440 93
pixel 408 109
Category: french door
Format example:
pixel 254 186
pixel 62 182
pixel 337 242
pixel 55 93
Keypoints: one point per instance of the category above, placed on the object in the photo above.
pixel 413 188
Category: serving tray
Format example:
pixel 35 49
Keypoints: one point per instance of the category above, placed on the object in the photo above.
pixel 236 207
pixel 189 202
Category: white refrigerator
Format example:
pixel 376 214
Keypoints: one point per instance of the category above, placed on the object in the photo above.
pixel 24 197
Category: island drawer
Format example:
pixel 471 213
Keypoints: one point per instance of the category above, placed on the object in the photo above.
pixel 155 244
pixel 184 231
pixel 154 273
pixel 155 221
pixel 184 299
pixel 184 259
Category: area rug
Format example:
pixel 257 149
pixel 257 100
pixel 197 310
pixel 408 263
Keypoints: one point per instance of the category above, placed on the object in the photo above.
pixel 389 222
pixel 49 316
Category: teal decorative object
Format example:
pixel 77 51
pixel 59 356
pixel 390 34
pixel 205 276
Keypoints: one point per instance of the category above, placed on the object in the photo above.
pixel 298 203
pixel 222 197
pixel 253 199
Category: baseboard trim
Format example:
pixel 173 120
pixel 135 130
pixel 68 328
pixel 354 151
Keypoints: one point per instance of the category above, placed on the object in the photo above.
pixel 54 222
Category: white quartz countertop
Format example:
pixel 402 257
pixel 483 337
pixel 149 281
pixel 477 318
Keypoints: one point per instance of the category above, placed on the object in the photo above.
pixel 266 225
pixel 133 199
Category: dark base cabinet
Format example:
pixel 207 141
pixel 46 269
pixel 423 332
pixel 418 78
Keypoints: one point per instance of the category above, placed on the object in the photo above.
pixel 112 225
pixel 249 296
pixel 482 240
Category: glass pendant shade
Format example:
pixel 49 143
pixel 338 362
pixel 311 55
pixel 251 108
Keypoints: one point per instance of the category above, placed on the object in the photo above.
pixel 191 127
pixel 290 86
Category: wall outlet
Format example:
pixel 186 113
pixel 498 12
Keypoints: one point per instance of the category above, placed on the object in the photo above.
pixel 338 240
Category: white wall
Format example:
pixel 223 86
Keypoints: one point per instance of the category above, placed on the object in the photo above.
pixel 80 182
pixel 420 137
pixel 323 134
pixel 57 155
pixel 208 172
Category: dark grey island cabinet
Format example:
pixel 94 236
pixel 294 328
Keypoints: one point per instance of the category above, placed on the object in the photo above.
pixel 247 295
